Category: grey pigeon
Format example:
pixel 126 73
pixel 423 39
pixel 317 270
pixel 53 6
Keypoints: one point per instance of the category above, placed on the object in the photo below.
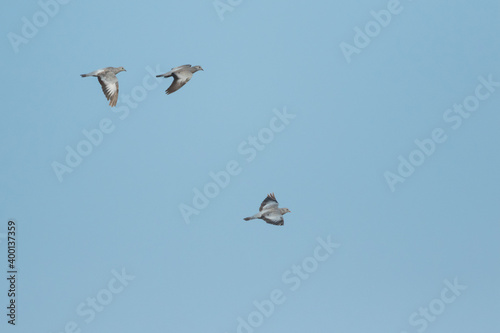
pixel 270 212
pixel 181 75
pixel 109 82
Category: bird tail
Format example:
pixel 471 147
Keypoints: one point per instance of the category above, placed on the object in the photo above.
pixel 84 75
pixel 249 218
pixel 167 74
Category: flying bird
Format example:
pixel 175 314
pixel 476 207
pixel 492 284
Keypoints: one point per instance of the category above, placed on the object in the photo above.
pixel 270 212
pixel 181 75
pixel 109 82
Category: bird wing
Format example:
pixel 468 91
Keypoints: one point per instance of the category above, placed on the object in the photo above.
pixel 180 79
pixel 180 67
pixel 109 84
pixel 274 218
pixel 269 203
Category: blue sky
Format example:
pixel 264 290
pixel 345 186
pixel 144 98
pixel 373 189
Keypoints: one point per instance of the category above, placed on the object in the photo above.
pixel 394 226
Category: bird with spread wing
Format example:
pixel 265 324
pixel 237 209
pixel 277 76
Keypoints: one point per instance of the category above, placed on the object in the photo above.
pixel 109 82
pixel 181 75
pixel 270 212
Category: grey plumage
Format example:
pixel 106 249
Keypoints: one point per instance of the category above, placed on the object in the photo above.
pixel 109 82
pixel 270 212
pixel 181 75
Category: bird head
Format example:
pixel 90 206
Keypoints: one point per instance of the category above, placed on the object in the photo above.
pixel 121 69
pixel 286 210
pixel 198 68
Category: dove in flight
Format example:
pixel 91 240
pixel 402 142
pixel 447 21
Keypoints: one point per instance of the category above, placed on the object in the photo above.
pixel 109 82
pixel 181 75
pixel 270 212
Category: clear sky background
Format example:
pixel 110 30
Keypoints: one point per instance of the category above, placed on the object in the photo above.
pixel 119 210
